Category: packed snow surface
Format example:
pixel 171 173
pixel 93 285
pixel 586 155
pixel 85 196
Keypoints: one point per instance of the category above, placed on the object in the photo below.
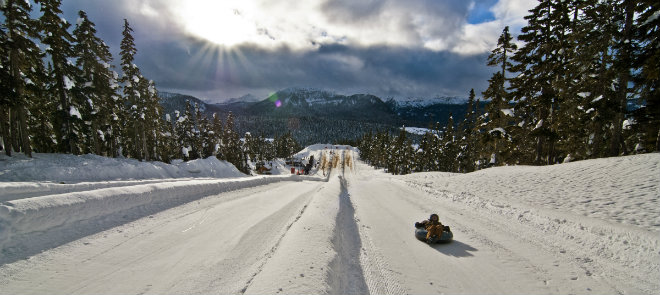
pixel 588 227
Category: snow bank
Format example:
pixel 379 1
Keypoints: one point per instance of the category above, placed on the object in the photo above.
pixel 33 224
pixel 603 212
pixel 72 168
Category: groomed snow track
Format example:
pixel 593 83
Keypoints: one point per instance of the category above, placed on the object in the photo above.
pixel 347 232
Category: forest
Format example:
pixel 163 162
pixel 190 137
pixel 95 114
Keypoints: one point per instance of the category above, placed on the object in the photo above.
pixel 581 82
pixel 61 93
pixel 582 85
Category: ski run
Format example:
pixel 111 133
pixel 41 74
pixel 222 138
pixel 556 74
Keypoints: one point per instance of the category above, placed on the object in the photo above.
pixel 92 225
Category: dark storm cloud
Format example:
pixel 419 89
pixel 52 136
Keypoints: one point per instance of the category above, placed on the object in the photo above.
pixel 178 62
pixel 383 71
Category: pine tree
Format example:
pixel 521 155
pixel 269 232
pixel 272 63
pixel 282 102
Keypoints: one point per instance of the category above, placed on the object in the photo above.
pixel 20 57
pixel 98 86
pixel 217 136
pixel 42 111
pixel 467 143
pixel 623 68
pixel 540 63
pixel 449 147
pixel 496 136
pixel 232 147
pixel 208 137
pixel 185 130
pixel 59 44
pixel 647 79
pixel 141 99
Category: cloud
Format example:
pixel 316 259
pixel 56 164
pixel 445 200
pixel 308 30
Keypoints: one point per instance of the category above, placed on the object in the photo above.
pixel 223 49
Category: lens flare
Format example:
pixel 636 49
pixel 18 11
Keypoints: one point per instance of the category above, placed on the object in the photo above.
pixel 278 103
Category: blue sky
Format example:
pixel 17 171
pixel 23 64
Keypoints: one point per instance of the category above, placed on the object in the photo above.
pixel 217 50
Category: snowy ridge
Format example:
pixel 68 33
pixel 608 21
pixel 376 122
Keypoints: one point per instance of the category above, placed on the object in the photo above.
pixel 424 102
pixel 70 214
pixel 87 168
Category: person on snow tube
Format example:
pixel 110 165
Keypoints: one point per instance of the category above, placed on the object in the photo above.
pixel 433 227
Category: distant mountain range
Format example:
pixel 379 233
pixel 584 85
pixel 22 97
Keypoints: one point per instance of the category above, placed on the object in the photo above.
pixel 318 116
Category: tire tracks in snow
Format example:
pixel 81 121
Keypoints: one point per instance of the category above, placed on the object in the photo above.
pixel 274 248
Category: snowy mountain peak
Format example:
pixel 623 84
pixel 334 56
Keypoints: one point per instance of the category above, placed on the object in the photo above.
pixel 424 102
pixel 248 98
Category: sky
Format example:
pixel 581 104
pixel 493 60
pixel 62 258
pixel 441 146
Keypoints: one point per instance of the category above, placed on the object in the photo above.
pixel 217 50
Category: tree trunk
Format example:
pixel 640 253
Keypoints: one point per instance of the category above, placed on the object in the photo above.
pixel 25 136
pixel 5 131
pixel 624 77
pixel 657 142
pixel 14 129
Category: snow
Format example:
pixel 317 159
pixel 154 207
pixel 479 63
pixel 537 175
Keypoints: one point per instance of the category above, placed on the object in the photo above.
pixel 508 112
pixel 73 112
pixel 498 129
pixel 417 130
pixel 122 226
pixel 68 84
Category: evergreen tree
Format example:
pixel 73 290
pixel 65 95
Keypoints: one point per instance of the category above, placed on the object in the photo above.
pixel 218 132
pixel 185 130
pixel 208 137
pixel 540 64
pixel 59 44
pixel 131 135
pixel 167 144
pixel 98 86
pixel 231 145
pixel 623 66
pixel 467 143
pixel 42 110
pixel 647 79
pixel 496 137
pixel 20 55
pixel 449 147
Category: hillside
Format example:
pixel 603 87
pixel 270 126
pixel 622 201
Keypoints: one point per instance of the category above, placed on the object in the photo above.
pixel 314 116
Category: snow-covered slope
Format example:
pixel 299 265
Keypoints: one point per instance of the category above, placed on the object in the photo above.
pixel 71 168
pixel 587 227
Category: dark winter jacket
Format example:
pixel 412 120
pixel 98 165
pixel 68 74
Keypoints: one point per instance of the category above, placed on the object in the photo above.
pixel 427 224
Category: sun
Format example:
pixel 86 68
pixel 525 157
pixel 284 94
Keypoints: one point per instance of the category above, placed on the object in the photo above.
pixel 227 23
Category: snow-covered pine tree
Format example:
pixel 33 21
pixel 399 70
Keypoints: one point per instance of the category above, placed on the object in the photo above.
pixel 496 137
pixel 467 142
pixel 19 65
pixel 197 141
pixel 167 144
pixel 647 79
pixel 150 117
pixel 97 85
pixel 208 136
pixel 69 122
pixel 42 109
pixel 424 157
pixel 232 147
pixel 130 80
pixel 540 63
pixel 185 130
pixel 623 66
pixel 449 153
pixel 216 127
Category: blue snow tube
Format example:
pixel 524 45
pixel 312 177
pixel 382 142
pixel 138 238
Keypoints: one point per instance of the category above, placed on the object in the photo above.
pixel 446 237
